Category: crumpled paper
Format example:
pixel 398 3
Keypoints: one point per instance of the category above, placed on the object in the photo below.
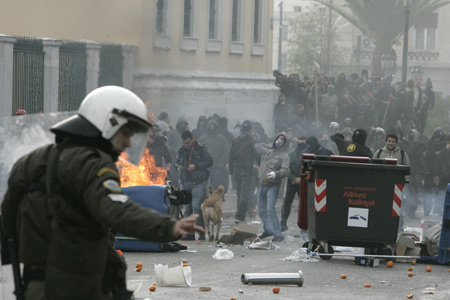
pixel 262 245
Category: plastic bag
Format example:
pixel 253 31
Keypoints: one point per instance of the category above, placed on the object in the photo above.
pixel 223 254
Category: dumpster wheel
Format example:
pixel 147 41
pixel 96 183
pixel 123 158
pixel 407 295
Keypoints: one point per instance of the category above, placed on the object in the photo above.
pixel 326 248
pixel 313 246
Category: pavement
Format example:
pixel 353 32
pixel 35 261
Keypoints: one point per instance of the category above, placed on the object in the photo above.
pixel 322 279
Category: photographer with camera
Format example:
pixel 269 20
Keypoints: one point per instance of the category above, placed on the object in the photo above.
pixel 194 163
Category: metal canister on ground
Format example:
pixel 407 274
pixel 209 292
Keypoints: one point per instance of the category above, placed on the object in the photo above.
pixel 273 278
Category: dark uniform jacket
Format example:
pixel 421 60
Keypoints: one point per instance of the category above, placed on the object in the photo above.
pixel 199 156
pixel 70 234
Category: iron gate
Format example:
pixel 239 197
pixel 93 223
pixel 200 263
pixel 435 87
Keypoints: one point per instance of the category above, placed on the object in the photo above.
pixel 111 65
pixel 72 75
pixel 28 75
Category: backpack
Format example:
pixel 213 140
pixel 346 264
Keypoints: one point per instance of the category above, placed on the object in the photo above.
pixel 401 152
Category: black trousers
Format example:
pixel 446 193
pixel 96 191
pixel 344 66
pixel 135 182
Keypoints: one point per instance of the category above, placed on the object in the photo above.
pixel 243 181
pixel 291 191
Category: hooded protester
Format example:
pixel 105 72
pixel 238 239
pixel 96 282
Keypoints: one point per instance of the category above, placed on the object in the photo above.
pixel 218 148
pixel 355 147
pixel 241 161
pixel 274 167
pixel 417 173
pixel 313 146
pixel 434 148
pixel 428 103
pixel 293 182
pixel 441 176
pixel 201 127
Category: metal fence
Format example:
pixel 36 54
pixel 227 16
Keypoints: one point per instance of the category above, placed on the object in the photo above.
pixel 111 65
pixel 28 69
pixel 72 75
pixel 28 75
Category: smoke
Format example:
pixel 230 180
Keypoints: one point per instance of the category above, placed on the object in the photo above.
pixel 21 135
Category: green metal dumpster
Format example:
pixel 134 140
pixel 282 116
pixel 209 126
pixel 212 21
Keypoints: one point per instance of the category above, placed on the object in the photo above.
pixel 353 201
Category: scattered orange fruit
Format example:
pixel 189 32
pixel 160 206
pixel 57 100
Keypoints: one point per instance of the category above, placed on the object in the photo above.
pixel 198 242
pixel 120 252
pixel 138 269
pixel 185 265
pixel 409 296
pixel 413 262
pixel 343 276
pixel 428 268
pixel 276 290
pixel 138 265
pixel 410 274
pixel 254 211
pixel 152 288
pixel 410 268
pixel 232 298
pixel 367 285
pixel 184 245
pixel 390 264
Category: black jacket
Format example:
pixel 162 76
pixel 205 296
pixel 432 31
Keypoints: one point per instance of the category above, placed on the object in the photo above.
pixel 200 157
pixel 242 154
pixel 356 147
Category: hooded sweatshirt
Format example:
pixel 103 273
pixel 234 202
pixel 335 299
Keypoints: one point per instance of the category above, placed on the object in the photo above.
pixel 273 159
pixel 216 144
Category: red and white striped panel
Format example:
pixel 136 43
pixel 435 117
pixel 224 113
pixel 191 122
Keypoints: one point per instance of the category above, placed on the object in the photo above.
pixel 320 195
pixel 397 203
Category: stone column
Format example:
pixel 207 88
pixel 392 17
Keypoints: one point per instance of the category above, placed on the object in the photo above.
pixel 6 74
pixel 51 74
pixel 92 65
pixel 129 57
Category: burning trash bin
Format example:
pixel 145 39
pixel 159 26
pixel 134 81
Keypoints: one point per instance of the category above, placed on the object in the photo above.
pixel 351 201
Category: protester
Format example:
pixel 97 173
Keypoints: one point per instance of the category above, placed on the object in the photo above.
pixel 218 148
pixel 241 160
pixel 293 182
pixel 355 147
pixel 274 167
pixel 194 163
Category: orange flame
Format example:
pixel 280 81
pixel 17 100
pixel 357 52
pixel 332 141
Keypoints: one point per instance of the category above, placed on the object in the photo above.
pixel 147 173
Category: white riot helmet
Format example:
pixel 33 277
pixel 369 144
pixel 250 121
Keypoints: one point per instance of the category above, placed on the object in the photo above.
pixel 334 127
pixel 103 112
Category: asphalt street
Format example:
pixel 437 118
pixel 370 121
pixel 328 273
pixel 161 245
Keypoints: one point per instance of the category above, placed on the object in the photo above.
pixel 322 279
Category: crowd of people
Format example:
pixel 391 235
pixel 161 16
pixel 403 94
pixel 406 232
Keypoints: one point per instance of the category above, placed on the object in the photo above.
pixel 359 100
pixel 372 114
pixel 66 196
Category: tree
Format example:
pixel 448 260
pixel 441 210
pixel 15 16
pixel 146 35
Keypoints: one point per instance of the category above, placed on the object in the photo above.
pixel 311 41
pixel 383 21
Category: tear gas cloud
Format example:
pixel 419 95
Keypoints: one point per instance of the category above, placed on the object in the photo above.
pixel 21 135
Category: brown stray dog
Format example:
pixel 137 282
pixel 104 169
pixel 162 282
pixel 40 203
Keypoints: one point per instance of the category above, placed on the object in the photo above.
pixel 212 211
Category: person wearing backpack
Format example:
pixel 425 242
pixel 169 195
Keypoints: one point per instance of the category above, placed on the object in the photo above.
pixel 64 203
pixel 391 150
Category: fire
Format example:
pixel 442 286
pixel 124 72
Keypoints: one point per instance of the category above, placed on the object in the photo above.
pixel 147 173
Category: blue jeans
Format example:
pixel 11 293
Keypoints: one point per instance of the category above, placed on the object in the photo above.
pixel 267 197
pixel 198 196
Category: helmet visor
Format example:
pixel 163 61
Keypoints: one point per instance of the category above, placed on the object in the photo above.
pixel 138 143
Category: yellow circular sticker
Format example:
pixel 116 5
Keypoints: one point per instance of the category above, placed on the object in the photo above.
pixel 351 148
